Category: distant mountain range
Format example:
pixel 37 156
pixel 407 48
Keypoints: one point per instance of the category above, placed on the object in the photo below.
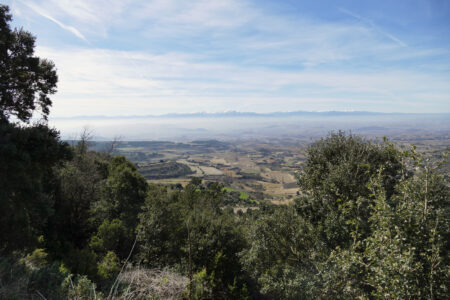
pixel 254 114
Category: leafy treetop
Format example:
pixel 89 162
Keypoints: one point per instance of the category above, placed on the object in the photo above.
pixel 26 81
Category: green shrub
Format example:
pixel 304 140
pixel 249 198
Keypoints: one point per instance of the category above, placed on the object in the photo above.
pixel 80 288
pixel 109 267
pixel 36 259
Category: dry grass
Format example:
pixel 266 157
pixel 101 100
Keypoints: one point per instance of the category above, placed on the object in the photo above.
pixel 211 171
pixel 282 202
pixel 140 283
pixel 182 181
pixel 278 176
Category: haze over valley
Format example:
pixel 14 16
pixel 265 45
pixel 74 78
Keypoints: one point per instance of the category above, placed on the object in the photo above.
pixel 253 126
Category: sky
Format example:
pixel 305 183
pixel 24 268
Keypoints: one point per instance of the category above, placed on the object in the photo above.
pixel 129 57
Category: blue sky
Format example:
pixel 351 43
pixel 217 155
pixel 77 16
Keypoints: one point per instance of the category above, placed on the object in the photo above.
pixel 169 56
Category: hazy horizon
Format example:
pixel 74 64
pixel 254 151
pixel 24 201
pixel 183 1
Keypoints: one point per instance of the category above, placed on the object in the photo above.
pixel 255 127
pixel 245 113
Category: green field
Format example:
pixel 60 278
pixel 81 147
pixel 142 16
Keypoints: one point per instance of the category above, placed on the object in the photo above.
pixel 243 195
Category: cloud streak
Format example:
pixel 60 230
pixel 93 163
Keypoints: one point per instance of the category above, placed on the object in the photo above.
pixel 374 26
pixel 44 14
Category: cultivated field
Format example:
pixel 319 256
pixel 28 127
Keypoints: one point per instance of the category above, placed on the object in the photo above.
pixel 250 170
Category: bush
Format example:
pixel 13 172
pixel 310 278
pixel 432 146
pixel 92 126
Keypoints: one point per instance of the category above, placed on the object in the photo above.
pixel 80 288
pixel 335 175
pixel 109 267
pixel 37 259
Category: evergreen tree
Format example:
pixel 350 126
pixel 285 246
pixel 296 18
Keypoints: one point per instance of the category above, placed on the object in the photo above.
pixel 26 81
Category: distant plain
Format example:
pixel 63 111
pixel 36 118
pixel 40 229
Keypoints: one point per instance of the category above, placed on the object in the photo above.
pixel 255 156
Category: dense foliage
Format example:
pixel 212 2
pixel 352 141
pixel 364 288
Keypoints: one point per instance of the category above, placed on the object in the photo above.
pixel 371 221
pixel 334 182
pixel 101 214
pixel 29 156
pixel 26 81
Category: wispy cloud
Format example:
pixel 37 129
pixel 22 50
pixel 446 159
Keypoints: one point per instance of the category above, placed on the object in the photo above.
pixel 44 14
pixel 374 26
pixel 133 82
pixel 161 56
